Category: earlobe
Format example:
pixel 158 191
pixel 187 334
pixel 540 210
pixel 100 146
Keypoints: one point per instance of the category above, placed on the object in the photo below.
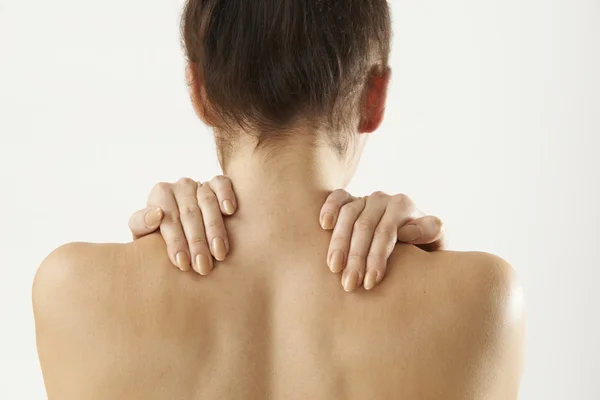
pixel 375 101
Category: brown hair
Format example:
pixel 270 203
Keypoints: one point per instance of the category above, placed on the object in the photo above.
pixel 268 63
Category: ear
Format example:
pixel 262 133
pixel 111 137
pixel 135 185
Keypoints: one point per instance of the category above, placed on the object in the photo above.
pixel 198 95
pixel 373 106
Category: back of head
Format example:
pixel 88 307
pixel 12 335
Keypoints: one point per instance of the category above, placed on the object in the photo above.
pixel 268 64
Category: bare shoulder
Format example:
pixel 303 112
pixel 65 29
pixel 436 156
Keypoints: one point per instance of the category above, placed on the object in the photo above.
pixel 462 278
pixel 469 313
pixel 74 288
pixel 482 297
pixel 90 302
pixel 88 275
pixel 485 279
pixel 72 291
pixel 75 271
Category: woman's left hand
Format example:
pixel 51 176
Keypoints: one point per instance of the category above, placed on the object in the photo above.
pixel 366 230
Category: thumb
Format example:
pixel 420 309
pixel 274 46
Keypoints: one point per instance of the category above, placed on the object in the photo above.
pixel 427 231
pixel 145 222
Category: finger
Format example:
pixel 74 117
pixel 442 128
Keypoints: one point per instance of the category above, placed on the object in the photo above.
pixel 342 233
pixel 332 207
pixel 191 219
pixel 171 230
pixel 428 233
pixel 213 222
pixel 362 237
pixel 223 189
pixel 423 230
pixel 145 222
pixel 400 209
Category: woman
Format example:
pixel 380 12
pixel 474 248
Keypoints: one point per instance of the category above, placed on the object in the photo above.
pixel 291 89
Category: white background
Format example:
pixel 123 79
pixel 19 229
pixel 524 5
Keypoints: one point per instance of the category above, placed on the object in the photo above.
pixel 493 123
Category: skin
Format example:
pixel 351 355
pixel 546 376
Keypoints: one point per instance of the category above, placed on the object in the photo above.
pixel 117 321
pixel 271 326
pixel 190 217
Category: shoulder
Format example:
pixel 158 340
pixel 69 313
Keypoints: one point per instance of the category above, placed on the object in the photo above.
pixel 471 309
pixel 95 279
pixel 74 273
pixel 75 263
pixel 463 279
pixel 482 276
pixel 70 293
pixel 484 298
pixel 481 288
pixel 490 286
pixel 66 260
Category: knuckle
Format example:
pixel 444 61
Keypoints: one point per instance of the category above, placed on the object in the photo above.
pixel 179 241
pixel 220 179
pixel 386 231
pixel 207 198
pixel 162 187
pixel 340 241
pixel 354 256
pixel 212 224
pixel 354 207
pixel 375 258
pixel 379 195
pixel 172 218
pixel 190 212
pixel 340 193
pixel 186 182
pixel 363 224
pixel 401 200
pixel 198 241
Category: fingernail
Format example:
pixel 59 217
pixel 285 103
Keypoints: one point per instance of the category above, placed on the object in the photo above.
pixel 371 280
pixel 337 262
pixel 412 232
pixel 153 217
pixel 218 248
pixel 183 261
pixel 350 280
pixel 327 221
pixel 228 206
pixel 204 264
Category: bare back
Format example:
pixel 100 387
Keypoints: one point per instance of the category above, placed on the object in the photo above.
pixel 273 323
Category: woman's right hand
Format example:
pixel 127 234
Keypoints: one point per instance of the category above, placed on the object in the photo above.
pixel 189 215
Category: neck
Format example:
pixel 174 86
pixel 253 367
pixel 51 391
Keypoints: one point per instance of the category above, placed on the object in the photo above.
pixel 287 179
